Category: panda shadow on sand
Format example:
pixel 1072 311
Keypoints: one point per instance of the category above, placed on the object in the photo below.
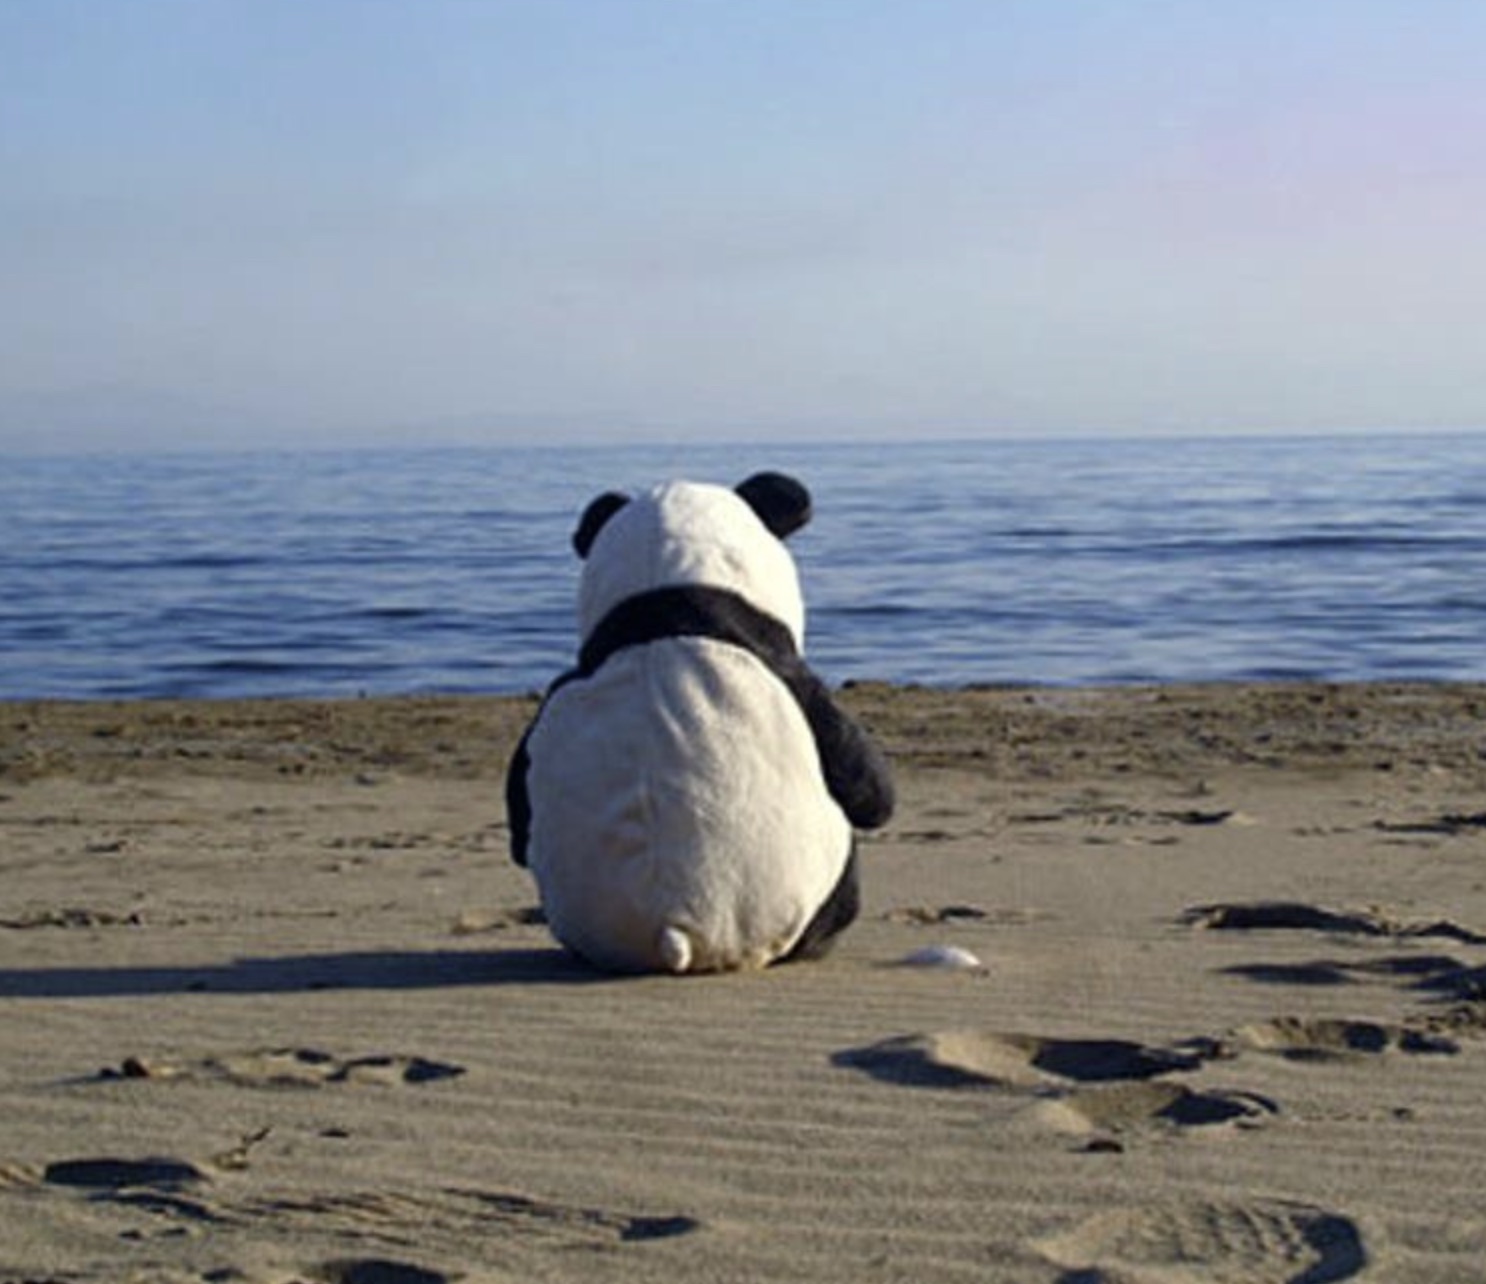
pixel 686 796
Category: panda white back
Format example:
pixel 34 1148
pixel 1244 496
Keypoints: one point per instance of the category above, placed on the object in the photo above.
pixel 697 807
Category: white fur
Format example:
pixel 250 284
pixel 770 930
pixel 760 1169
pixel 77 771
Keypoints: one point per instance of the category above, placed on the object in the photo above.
pixel 681 821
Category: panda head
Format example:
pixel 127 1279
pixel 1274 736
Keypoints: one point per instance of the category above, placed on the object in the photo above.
pixel 691 533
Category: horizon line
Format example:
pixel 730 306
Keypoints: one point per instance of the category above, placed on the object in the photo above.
pixel 643 439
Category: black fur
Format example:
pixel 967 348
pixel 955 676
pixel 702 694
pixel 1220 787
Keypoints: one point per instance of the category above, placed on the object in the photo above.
pixel 685 611
pixel 837 914
pixel 594 516
pixel 781 502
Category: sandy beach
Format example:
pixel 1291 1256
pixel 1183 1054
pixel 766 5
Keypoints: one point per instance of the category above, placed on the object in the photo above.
pixel 1152 985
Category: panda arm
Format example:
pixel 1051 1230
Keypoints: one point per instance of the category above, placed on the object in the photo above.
pixel 518 800
pixel 856 771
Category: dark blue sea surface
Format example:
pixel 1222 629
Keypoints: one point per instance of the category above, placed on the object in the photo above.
pixel 449 570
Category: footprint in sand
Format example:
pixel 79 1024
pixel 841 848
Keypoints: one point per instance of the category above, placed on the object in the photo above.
pixel 962 1058
pixel 956 915
pixel 1084 1085
pixel 403 1215
pixel 936 915
pixel 1443 975
pixel 1327 1039
pixel 1465 984
pixel 156 1184
pixel 1281 915
pixel 1123 1106
pixel 292 1068
pixel 1300 916
pixel 71 917
pixel 180 1191
pixel 1127 1090
pixel 1422 971
pixel 1089 1086
pixel 122 1174
pixel 1449 824
pixel 308 1067
pixel 1259 1241
pixel 374 1270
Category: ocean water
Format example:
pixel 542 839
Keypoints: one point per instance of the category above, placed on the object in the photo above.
pixel 449 570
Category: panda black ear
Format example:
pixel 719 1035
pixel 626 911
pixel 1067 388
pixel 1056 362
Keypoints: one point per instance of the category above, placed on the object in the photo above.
pixel 782 503
pixel 594 516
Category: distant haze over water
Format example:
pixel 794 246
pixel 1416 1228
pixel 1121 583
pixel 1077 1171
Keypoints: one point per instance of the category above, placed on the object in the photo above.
pixel 422 570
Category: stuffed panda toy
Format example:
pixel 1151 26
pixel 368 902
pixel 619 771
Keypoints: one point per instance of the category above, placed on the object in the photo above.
pixel 685 796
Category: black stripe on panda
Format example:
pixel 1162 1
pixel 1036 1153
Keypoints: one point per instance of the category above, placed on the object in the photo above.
pixel 692 611
pixel 856 774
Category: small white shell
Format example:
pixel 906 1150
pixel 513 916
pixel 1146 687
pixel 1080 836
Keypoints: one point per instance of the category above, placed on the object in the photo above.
pixel 947 956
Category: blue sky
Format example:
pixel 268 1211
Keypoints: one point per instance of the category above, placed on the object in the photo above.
pixel 322 221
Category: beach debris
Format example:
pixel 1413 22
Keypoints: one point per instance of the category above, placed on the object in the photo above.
pixel 133 1067
pixel 236 1158
pixel 954 958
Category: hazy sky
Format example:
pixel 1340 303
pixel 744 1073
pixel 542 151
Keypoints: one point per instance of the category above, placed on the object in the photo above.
pixel 331 220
